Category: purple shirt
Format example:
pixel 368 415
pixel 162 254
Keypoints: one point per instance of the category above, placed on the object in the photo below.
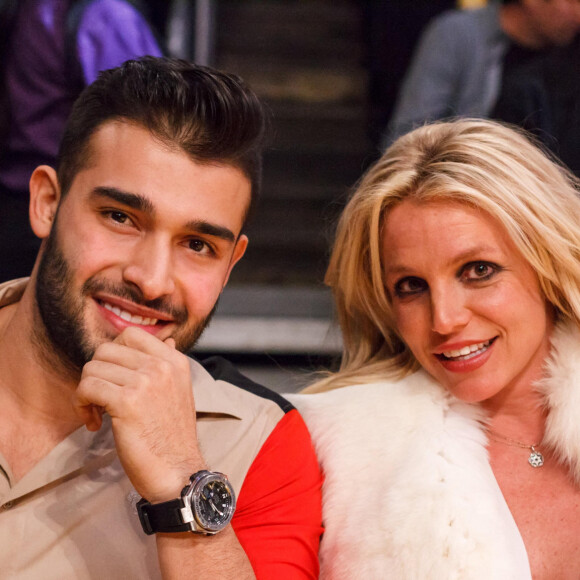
pixel 39 86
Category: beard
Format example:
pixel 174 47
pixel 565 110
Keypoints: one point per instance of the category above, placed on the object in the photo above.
pixel 65 332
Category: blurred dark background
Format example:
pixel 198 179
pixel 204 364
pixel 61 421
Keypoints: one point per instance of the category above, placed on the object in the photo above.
pixel 329 71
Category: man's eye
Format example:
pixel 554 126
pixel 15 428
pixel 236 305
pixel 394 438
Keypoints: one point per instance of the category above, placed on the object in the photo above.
pixel 119 217
pixel 198 246
pixel 409 286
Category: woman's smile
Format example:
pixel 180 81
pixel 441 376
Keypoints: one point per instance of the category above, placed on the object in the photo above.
pixel 465 301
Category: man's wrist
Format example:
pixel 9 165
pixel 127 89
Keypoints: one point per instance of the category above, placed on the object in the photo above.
pixel 169 485
pixel 205 506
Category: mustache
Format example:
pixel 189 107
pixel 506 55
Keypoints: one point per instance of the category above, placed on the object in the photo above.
pixel 134 294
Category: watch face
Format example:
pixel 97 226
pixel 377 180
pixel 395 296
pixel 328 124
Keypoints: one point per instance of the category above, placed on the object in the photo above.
pixel 214 504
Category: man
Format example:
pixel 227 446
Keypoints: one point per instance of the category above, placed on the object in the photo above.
pixel 463 55
pixel 542 97
pixel 101 430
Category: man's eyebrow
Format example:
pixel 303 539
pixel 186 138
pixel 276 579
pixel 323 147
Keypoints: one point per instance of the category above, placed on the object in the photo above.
pixel 132 200
pixel 143 204
pixel 203 227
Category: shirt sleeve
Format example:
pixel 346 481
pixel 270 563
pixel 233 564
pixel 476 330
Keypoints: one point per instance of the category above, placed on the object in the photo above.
pixel 279 514
pixel 111 32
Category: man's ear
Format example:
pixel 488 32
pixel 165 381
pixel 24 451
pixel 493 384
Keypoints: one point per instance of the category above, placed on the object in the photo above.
pixel 239 251
pixel 44 198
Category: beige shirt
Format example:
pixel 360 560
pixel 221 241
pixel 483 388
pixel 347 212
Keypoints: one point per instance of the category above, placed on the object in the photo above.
pixel 74 516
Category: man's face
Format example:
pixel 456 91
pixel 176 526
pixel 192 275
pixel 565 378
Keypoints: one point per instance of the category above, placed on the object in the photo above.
pixel 145 237
pixel 555 22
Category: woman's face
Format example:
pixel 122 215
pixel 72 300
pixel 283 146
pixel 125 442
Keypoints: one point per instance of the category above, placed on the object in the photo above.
pixel 465 301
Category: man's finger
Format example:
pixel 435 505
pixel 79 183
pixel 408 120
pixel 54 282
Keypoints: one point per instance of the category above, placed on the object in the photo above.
pixel 139 339
pixel 120 354
pixel 96 391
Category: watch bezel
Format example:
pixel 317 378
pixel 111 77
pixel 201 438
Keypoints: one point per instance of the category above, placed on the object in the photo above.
pixel 191 496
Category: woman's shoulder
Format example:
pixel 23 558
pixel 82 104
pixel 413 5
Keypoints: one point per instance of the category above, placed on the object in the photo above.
pixel 358 407
pixel 414 385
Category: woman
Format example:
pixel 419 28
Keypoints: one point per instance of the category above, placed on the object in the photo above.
pixel 452 448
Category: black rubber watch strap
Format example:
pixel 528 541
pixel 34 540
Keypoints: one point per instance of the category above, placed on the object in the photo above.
pixel 161 517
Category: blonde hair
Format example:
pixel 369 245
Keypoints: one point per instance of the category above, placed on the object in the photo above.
pixel 481 163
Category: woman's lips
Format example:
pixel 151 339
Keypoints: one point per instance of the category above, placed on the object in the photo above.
pixel 466 352
pixel 467 358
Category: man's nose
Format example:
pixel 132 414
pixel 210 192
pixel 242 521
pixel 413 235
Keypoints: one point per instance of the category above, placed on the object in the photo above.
pixel 450 311
pixel 151 268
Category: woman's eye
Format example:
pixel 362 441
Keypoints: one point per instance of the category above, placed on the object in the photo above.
pixel 409 286
pixel 479 271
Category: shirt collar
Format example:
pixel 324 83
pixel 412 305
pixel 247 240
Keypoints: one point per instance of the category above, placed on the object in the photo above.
pixel 210 397
pixel 12 291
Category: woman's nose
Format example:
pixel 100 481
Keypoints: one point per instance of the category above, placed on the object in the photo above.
pixel 449 310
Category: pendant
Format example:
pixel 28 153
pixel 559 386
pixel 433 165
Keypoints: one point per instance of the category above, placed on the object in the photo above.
pixel 536 459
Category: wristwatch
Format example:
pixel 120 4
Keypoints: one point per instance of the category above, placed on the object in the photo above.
pixel 206 506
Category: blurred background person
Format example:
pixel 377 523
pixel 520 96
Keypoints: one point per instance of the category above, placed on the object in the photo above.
pixel 49 51
pixel 391 30
pixel 543 97
pixel 464 55
pixel 449 437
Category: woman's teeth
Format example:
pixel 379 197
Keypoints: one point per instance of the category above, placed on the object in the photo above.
pixel 467 351
pixel 133 319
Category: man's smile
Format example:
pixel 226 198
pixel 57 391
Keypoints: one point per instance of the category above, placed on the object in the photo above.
pixel 121 313
pixel 125 315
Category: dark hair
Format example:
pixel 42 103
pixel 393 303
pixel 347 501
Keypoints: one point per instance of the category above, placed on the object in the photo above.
pixel 210 115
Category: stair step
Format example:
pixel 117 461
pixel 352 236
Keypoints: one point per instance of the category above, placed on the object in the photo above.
pixel 306 60
pixel 292 31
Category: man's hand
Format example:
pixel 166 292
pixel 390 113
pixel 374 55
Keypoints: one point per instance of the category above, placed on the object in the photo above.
pixel 144 385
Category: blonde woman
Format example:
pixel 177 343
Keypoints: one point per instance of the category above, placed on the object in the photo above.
pixel 450 437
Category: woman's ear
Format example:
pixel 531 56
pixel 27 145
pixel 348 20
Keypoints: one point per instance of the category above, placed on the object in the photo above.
pixel 44 198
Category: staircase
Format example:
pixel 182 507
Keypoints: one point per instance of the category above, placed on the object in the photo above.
pixel 305 59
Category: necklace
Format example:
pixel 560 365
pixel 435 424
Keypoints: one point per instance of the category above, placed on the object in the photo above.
pixel 536 459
